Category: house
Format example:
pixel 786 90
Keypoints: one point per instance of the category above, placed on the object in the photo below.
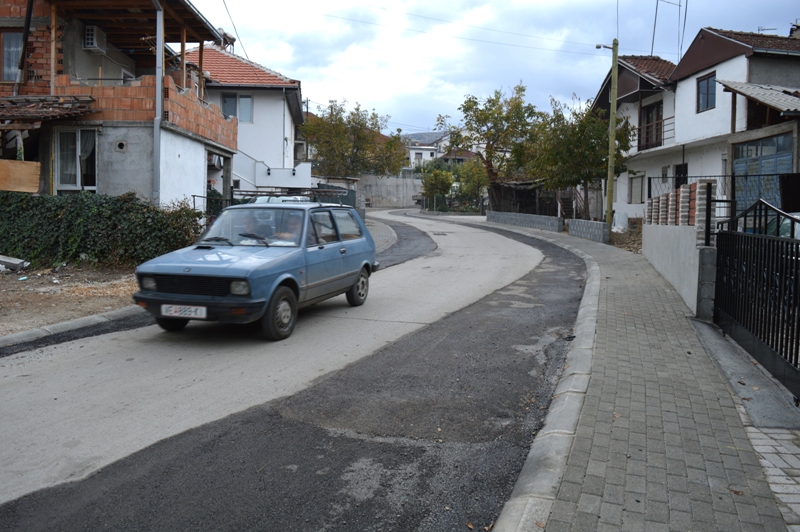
pixel 643 101
pixel 269 109
pixel 725 110
pixel 419 155
pixel 102 104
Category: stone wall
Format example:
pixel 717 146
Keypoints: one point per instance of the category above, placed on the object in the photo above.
pixel 534 221
pixel 597 231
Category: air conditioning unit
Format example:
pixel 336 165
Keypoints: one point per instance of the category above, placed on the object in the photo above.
pixel 94 40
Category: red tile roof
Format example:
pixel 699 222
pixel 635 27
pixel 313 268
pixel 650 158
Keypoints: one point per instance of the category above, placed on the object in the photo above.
pixel 230 69
pixel 761 40
pixel 650 65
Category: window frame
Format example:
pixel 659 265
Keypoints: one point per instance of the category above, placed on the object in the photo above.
pixel 237 104
pixel 710 83
pixel 3 33
pixel 79 186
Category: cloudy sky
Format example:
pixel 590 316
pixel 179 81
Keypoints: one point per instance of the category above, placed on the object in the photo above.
pixel 416 59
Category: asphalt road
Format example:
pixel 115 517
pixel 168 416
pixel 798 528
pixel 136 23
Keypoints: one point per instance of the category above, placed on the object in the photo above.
pixel 424 432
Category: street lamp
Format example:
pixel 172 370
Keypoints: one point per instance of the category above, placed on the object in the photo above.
pixel 612 130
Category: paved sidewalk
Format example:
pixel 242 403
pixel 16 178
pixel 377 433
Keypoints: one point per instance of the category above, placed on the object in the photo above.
pixel 645 431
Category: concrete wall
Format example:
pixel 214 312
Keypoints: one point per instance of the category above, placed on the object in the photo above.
pixel 125 159
pixel 390 191
pixel 535 221
pixel 673 252
pixel 783 71
pixel 597 231
pixel 692 126
pixel 183 168
pixel 84 64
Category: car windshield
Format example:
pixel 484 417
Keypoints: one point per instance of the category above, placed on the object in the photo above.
pixel 261 226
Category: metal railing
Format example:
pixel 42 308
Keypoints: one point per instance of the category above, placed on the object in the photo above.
pixel 655 134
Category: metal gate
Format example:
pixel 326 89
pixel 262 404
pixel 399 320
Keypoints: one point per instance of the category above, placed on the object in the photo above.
pixel 758 288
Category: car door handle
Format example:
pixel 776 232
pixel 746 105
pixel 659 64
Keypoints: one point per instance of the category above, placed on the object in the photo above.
pixel 343 250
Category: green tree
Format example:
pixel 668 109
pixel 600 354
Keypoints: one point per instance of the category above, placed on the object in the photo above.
pixel 437 183
pixel 492 128
pixel 570 147
pixel 349 143
pixel 472 181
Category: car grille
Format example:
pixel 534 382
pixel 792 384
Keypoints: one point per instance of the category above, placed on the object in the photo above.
pixel 194 285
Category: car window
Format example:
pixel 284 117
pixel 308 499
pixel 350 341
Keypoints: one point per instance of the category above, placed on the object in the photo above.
pixel 348 226
pixel 257 226
pixel 324 227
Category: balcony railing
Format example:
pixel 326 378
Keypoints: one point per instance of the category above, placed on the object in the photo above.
pixel 655 134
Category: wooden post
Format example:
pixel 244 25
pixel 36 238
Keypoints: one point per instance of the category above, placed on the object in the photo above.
pixel 53 56
pixel 202 79
pixel 183 56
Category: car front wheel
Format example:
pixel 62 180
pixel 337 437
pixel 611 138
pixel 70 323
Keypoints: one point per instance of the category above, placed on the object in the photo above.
pixel 358 292
pixel 172 324
pixel 281 316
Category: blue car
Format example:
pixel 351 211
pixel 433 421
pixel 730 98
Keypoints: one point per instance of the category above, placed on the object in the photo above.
pixel 261 262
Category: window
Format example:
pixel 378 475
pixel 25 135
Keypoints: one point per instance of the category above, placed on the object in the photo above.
pixel 11 44
pixel 651 125
pixel 635 189
pixel 348 227
pixel 76 161
pixel 240 106
pixel 707 92
pixel 323 226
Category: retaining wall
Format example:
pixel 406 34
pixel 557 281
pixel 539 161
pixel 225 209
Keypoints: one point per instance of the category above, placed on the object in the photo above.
pixel 597 231
pixel 534 221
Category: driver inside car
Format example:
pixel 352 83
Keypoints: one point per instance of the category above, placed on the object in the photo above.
pixel 292 230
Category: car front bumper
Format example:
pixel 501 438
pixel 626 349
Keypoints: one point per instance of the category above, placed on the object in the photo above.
pixel 228 310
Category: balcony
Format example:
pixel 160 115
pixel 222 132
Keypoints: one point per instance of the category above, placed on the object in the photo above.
pixel 655 134
pixel 136 102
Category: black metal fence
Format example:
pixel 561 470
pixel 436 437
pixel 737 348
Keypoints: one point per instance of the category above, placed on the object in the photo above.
pixel 757 299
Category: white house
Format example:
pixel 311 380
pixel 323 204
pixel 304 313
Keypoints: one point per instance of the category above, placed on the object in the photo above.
pixel 708 116
pixel 268 106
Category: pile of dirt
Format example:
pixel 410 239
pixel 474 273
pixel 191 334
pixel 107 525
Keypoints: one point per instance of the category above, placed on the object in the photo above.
pixel 630 240
pixel 34 298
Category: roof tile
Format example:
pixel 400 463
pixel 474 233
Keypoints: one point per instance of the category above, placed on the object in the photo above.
pixel 761 40
pixel 230 69
pixel 650 65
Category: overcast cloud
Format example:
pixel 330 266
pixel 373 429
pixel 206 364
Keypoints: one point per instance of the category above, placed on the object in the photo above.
pixel 415 59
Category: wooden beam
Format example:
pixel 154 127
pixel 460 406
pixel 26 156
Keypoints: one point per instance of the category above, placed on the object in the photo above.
pixel 53 60
pixel 202 79
pixel 15 127
pixel 183 56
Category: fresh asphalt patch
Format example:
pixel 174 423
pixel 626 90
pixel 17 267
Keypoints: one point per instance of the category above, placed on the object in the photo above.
pixel 428 433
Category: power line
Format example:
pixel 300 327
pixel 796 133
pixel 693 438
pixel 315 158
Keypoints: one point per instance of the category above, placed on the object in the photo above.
pixel 461 38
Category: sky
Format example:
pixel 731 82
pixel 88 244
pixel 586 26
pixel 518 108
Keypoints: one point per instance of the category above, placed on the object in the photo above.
pixel 417 59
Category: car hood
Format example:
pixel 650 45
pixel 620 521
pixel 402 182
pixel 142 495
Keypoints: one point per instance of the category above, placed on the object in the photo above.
pixel 218 260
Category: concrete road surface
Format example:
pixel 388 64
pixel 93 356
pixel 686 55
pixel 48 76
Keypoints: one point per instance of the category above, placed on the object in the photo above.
pixel 69 409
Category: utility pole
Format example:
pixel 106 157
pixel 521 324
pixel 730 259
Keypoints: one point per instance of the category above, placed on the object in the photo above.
pixel 612 130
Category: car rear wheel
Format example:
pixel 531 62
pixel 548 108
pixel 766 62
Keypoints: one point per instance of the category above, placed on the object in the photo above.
pixel 281 316
pixel 358 292
pixel 172 324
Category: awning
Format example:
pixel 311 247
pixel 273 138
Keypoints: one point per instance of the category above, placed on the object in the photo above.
pixel 31 109
pixel 783 99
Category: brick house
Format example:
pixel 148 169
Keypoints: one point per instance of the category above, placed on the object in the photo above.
pixel 269 109
pixel 103 104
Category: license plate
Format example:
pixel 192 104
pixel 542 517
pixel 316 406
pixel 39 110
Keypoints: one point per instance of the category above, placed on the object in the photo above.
pixel 183 311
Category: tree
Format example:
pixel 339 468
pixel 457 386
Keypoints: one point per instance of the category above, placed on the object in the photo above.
pixel 570 147
pixel 492 128
pixel 350 143
pixel 437 183
pixel 472 180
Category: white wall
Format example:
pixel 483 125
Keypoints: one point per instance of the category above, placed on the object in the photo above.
pixel 673 252
pixel 183 168
pixel 690 125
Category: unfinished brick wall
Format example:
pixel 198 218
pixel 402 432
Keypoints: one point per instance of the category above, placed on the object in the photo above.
pixel 186 111
pixel 137 102
pixel 37 52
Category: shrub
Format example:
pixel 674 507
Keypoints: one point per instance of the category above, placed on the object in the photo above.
pixel 116 231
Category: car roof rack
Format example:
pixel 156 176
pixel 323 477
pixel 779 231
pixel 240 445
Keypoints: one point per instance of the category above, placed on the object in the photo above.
pixel 311 193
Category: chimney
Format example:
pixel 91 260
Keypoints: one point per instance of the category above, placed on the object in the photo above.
pixel 794 32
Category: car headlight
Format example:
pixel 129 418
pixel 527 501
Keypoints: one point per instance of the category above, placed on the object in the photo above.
pixel 240 288
pixel 149 283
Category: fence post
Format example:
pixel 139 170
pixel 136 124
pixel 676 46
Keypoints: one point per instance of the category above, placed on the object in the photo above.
pixel 708 214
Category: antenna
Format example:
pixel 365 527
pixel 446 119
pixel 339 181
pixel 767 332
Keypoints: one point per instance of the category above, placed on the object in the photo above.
pixel 762 29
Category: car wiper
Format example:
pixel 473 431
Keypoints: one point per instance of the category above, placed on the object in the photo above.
pixel 217 239
pixel 252 235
